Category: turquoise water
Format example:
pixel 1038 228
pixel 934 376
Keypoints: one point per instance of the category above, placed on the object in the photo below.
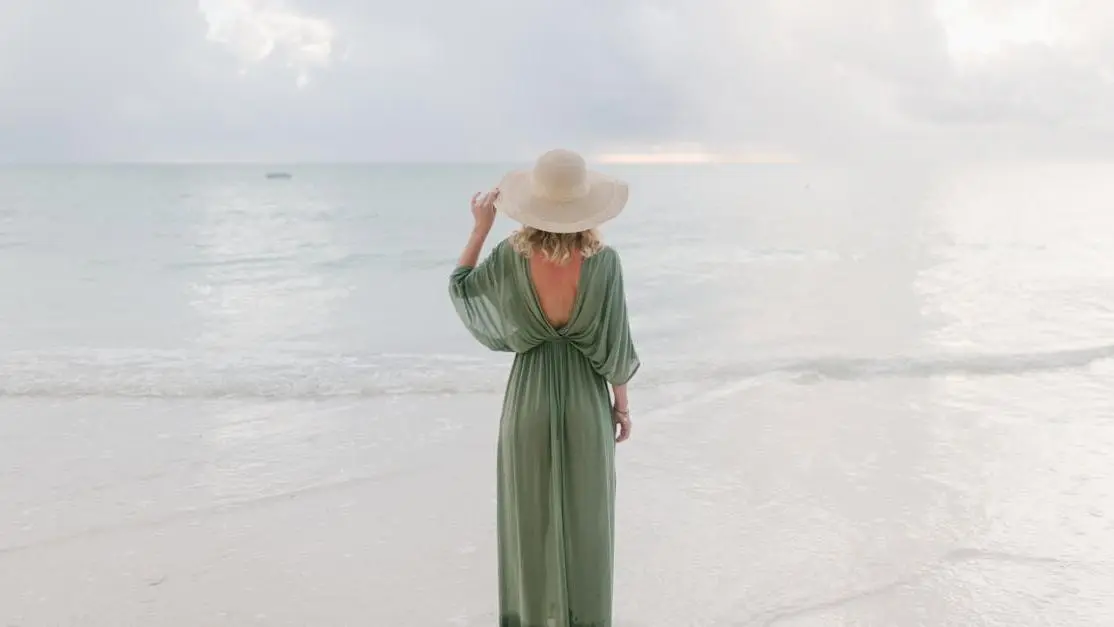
pixel 216 282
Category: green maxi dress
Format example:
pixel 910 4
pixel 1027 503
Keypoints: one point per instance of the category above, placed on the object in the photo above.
pixel 556 449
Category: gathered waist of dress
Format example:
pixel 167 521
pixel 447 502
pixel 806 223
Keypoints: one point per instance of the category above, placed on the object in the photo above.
pixel 552 342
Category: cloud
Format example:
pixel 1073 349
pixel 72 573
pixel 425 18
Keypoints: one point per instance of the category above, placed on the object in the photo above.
pixel 255 30
pixel 493 79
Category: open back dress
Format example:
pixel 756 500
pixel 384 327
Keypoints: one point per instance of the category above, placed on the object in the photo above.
pixel 556 449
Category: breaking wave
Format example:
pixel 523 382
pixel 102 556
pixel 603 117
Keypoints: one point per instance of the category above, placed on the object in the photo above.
pixel 149 374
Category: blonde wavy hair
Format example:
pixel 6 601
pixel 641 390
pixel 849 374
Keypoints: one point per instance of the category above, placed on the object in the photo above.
pixel 556 247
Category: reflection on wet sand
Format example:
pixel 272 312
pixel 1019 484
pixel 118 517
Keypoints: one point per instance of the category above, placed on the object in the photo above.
pixel 1027 450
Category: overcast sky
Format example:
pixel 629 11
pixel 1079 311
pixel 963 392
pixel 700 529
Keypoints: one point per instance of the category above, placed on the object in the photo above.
pixel 341 80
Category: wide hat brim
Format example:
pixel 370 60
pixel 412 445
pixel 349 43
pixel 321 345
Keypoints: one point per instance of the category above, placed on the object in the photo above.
pixel 605 199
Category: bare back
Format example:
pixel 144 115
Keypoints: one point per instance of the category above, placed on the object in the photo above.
pixel 556 286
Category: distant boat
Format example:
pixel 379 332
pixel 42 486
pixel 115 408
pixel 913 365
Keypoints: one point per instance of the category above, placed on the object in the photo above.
pixel 279 175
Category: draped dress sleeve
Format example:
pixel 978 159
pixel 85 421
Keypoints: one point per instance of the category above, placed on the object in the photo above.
pixel 611 349
pixel 479 295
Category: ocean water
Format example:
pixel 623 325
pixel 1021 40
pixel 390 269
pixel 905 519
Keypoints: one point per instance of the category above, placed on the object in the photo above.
pixel 870 396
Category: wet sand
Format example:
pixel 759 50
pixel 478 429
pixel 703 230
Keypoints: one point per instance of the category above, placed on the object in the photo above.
pixel 889 502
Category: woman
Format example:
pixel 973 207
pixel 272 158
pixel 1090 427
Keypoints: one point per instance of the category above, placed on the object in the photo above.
pixel 553 295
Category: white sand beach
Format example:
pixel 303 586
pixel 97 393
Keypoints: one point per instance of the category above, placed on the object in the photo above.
pixel 879 503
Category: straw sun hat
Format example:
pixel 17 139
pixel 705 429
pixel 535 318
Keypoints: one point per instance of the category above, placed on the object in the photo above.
pixel 561 195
